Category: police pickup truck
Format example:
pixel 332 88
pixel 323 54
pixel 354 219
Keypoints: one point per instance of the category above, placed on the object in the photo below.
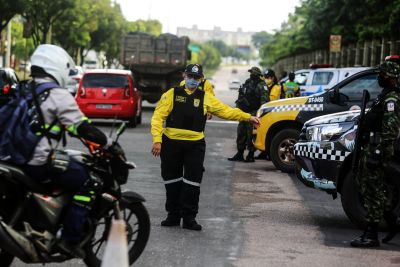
pixel 324 161
pixel 282 120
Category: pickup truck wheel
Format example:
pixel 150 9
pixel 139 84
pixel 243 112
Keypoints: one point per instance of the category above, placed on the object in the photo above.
pixel 281 151
pixel 352 202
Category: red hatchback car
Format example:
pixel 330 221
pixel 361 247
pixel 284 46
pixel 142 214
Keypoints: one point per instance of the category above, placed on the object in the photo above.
pixel 110 93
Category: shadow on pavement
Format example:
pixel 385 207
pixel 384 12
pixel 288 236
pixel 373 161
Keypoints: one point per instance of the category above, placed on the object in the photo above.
pixel 329 216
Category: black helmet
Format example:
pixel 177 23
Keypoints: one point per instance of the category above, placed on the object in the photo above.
pixel 291 76
pixel 269 73
pixel 255 71
pixel 390 69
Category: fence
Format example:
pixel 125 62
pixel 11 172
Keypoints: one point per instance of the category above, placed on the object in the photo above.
pixel 368 53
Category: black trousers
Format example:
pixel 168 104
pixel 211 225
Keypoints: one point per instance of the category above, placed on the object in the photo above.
pixel 182 172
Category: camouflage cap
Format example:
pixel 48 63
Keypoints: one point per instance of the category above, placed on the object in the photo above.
pixel 390 68
pixel 255 70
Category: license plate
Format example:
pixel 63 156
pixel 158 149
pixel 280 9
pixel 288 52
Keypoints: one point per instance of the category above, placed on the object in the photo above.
pixel 103 106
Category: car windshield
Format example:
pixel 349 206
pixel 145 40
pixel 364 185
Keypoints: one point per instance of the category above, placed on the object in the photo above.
pixel 354 89
pixel 105 80
pixel 322 78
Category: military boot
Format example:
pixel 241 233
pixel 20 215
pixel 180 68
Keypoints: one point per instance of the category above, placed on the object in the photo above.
pixel 171 220
pixel 368 239
pixel 392 224
pixel 238 156
pixel 191 224
pixel 250 157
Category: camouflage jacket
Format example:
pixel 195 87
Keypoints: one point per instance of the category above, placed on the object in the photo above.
pixel 387 123
pixel 252 94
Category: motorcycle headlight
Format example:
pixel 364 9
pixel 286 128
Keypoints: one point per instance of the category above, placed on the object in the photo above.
pixel 327 132
pixel 263 111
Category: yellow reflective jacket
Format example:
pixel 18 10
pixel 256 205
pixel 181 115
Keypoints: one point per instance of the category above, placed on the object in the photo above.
pixel 211 105
pixel 274 92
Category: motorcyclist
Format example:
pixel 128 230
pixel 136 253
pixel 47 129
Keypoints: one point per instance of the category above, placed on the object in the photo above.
pixel 51 64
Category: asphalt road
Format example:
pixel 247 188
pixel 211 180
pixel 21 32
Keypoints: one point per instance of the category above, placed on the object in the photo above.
pixel 252 214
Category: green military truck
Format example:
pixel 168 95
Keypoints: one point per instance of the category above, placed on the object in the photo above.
pixel 156 62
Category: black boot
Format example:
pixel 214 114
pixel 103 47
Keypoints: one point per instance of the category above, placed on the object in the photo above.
pixel 250 157
pixel 368 239
pixel 238 156
pixel 171 220
pixel 262 155
pixel 392 224
pixel 191 224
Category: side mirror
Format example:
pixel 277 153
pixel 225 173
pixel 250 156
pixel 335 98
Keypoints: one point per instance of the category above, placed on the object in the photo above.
pixel 333 95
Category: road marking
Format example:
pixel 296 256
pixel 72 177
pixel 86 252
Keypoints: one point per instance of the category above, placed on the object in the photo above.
pixel 222 122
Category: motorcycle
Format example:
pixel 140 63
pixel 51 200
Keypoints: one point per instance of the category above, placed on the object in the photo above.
pixel 31 214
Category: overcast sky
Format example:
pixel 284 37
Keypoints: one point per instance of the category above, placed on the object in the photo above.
pixel 250 15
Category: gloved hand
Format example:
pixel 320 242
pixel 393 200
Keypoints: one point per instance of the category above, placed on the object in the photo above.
pixel 374 160
pixel 115 149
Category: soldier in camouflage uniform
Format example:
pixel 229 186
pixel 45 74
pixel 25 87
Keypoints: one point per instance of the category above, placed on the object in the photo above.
pixel 252 94
pixel 379 134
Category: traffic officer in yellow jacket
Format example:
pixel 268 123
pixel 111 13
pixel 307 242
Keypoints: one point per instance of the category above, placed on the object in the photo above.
pixel 181 143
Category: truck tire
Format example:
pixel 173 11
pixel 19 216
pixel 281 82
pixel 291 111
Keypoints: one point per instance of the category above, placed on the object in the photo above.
pixel 352 202
pixel 281 151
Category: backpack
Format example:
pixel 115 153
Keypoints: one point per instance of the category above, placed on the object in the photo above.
pixel 17 140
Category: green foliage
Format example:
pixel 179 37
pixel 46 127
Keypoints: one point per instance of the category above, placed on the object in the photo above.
pixel 72 29
pixel 76 25
pixel 42 15
pixel 310 26
pixel 150 26
pixel 9 9
pixel 260 38
pixel 22 47
pixel 208 57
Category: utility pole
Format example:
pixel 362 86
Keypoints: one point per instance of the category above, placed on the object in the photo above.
pixel 8 53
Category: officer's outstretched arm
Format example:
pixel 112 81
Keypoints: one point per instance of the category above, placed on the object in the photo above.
pixel 217 108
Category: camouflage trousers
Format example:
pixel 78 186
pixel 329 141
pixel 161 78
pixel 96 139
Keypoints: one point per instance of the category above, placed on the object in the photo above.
pixel 244 137
pixel 372 187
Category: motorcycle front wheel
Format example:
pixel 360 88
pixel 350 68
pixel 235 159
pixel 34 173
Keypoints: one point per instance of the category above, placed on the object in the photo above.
pixel 138 231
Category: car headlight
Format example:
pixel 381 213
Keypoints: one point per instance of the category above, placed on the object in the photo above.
pixel 263 111
pixel 327 132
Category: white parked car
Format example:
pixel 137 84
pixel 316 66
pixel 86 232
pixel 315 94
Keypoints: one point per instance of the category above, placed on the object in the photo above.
pixel 234 84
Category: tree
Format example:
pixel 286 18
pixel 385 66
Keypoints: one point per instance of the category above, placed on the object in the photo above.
pixel 72 29
pixel 9 9
pixel 149 26
pixel 209 57
pixel 107 36
pixel 42 14
pixel 260 38
pixel 22 47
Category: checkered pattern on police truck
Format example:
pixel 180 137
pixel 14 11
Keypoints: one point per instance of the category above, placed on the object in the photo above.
pixel 300 107
pixel 315 152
